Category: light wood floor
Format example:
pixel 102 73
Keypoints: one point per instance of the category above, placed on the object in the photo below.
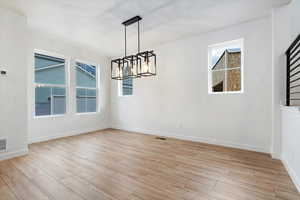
pixel 113 164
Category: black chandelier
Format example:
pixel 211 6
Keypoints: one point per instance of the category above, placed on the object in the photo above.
pixel 142 64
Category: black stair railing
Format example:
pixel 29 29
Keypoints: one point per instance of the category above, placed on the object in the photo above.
pixel 293 73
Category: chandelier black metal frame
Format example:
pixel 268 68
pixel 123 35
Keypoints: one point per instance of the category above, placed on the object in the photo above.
pixel 141 64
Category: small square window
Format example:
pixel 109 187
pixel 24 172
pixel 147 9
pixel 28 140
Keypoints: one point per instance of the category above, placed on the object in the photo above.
pixel 225 67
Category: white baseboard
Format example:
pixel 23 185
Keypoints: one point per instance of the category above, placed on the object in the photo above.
pixel 64 134
pixel 12 154
pixel 295 178
pixel 276 156
pixel 195 139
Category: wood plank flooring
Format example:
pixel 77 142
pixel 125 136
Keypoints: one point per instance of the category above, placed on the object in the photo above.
pixel 118 165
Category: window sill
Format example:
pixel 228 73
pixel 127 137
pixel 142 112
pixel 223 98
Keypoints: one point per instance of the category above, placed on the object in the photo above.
pixel 88 113
pixel 224 93
pixel 48 116
pixel 125 95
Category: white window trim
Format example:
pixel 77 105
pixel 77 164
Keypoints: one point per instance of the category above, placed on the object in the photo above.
pixel 66 86
pixel 98 109
pixel 241 41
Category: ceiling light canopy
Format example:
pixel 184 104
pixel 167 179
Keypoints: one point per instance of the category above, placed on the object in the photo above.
pixel 141 64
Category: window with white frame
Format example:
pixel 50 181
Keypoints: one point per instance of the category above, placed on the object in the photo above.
pixel 50 84
pixel 225 67
pixel 126 87
pixel 86 88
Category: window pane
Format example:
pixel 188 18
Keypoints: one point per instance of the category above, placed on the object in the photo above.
pixel 42 61
pixel 42 101
pixel 86 100
pixel 81 92
pixel 58 91
pixel 218 81
pixel 86 97
pixel 225 66
pixel 91 101
pixel 218 62
pixel 234 58
pixel 59 100
pixel 81 100
pixel 81 104
pixel 85 75
pixel 59 105
pixel 91 93
pixel 91 104
pixel 127 86
pixel 50 101
pixel 49 70
pixel 234 80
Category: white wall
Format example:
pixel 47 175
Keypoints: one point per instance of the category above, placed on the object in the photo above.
pixel 13 93
pixel 280 42
pixel 17 121
pixel 287 29
pixel 176 102
pixel 290 142
pixel 51 127
pixel 295 14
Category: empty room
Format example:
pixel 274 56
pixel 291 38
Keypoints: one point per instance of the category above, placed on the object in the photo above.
pixel 149 99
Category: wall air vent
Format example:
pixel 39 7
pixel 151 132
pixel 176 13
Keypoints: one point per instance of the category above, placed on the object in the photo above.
pixel 2 145
pixel 161 138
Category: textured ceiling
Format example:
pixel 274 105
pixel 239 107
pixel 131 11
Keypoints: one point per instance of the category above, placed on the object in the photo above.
pixel 97 23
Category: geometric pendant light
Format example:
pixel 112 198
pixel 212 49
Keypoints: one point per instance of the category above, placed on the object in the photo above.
pixel 141 64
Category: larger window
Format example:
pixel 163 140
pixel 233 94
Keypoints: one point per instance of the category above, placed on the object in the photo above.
pixel 225 67
pixel 50 85
pixel 86 88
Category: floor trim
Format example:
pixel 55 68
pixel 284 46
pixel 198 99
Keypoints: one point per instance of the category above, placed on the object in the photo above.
pixel 64 134
pixel 276 156
pixel 195 139
pixel 12 154
pixel 292 173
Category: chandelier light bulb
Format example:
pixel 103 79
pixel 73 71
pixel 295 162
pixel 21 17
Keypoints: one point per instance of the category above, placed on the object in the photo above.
pixel 119 72
pixel 133 69
pixel 149 67
pixel 146 67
